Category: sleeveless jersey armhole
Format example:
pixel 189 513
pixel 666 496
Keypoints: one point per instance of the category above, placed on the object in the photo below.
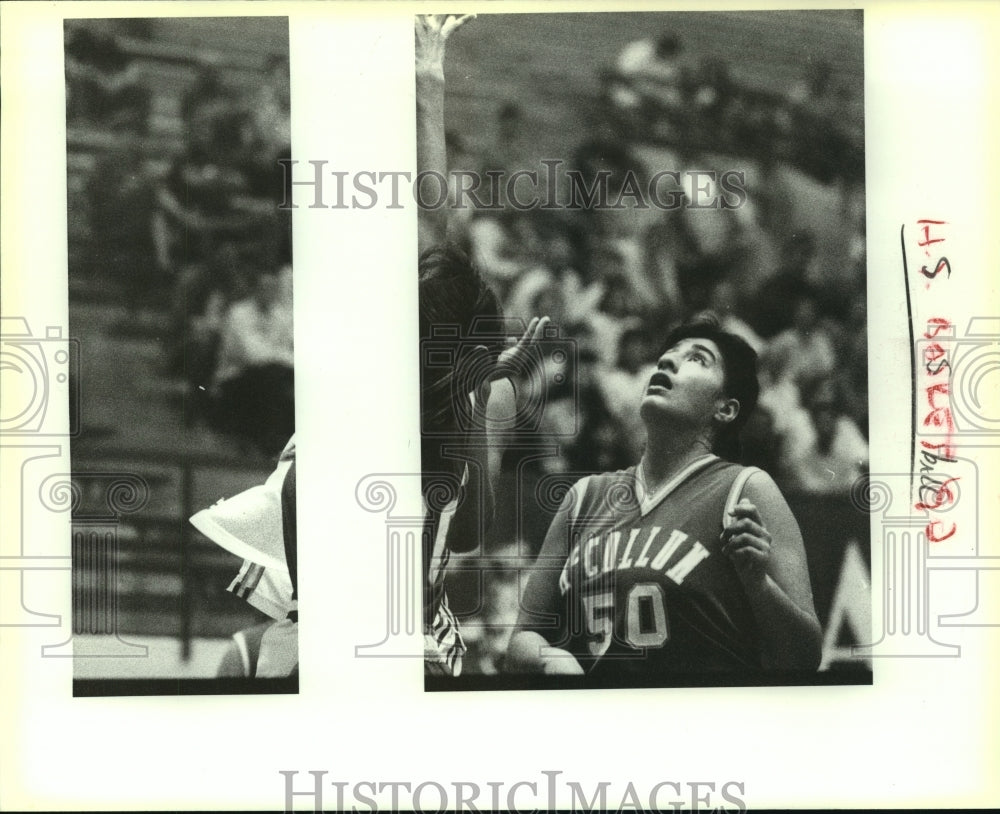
pixel 734 493
pixel 579 492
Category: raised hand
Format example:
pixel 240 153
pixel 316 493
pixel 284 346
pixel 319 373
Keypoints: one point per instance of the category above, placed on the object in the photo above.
pixel 747 542
pixel 522 364
pixel 432 32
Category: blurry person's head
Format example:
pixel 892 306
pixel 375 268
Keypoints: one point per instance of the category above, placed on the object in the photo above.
pixel 668 46
pixel 277 68
pixel 821 398
pixel 723 299
pixel 706 382
pixel 634 349
pixel 202 125
pixel 819 75
pixel 558 241
pixel 460 157
pixel 509 121
pixel 617 300
pixel 267 290
pixel 779 364
pixel 798 249
pixel 456 307
pixel 278 77
pixel 230 270
pixel 805 311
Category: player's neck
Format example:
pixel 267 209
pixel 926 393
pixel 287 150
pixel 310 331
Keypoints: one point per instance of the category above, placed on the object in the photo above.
pixel 665 457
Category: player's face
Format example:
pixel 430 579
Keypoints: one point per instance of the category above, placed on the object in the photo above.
pixel 687 385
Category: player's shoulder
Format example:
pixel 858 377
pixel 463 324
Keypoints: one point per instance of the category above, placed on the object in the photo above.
pixel 592 491
pixel 762 490
pixel 757 482
pixel 603 481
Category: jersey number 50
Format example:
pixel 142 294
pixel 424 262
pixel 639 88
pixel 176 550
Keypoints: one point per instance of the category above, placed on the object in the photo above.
pixel 646 623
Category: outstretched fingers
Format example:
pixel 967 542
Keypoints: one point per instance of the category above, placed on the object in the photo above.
pixel 453 22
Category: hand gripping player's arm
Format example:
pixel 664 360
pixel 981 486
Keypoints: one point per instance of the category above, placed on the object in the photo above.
pixel 530 651
pixel 765 546
pixel 431 33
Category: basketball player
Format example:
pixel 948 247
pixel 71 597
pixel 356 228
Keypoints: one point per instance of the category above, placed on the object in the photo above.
pixel 462 402
pixel 686 562
pixel 259 525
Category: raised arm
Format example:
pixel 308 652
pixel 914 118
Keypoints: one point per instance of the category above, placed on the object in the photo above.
pixel 766 548
pixel 502 395
pixel 431 34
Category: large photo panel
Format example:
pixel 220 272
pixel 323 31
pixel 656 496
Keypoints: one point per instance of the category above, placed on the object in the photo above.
pixel 644 393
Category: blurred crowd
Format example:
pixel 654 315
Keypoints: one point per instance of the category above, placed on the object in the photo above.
pixel 658 90
pixel 194 228
pixel 615 280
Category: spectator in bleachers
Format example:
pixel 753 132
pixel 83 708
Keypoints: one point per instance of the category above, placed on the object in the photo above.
pixel 769 313
pixel 271 109
pixel 104 87
pixel 195 212
pixel 851 345
pixel 617 311
pixel 550 274
pixel 600 444
pixel 832 453
pixel 122 202
pixel 461 212
pixel 227 281
pixel 254 378
pixel 725 302
pixel 195 197
pixel 649 79
pixel 503 247
pixel 710 90
pixel 507 153
pixel 808 344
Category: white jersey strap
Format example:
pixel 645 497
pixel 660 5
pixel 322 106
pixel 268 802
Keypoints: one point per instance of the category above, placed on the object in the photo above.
pixel 575 495
pixel 734 493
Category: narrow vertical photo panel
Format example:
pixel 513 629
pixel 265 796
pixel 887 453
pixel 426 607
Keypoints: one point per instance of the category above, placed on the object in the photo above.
pixel 644 364
pixel 182 492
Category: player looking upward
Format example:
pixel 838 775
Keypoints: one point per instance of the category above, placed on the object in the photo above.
pixel 686 562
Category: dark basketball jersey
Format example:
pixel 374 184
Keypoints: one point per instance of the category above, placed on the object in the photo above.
pixel 647 587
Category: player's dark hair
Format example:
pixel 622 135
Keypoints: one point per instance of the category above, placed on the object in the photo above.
pixel 457 303
pixel 739 364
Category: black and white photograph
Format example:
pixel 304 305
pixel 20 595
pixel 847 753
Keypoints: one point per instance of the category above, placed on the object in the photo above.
pixel 180 304
pixel 650 279
pixel 612 386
